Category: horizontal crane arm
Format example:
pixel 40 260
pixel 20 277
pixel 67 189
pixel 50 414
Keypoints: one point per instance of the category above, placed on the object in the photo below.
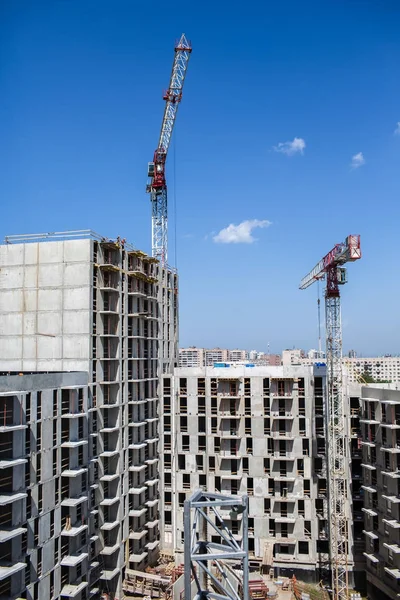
pixel 173 95
pixel 347 251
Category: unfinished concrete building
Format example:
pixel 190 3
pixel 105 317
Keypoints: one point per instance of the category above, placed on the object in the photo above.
pixel 380 422
pixel 254 430
pixel 77 301
pixel 353 393
pixel 46 534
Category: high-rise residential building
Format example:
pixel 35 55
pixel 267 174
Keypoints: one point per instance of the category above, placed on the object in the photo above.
pixel 238 355
pixel 316 354
pixel 292 357
pixel 215 355
pixel 48 527
pixel 381 368
pixel 191 357
pixel 253 354
pixel 352 354
pixel 273 360
pixel 380 423
pixel 78 301
pixel 255 430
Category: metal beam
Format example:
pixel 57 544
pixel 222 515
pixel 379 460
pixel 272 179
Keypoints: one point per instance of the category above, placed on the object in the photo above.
pixel 199 511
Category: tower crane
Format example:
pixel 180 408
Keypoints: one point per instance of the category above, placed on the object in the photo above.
pixel 157 186
pixel 331 267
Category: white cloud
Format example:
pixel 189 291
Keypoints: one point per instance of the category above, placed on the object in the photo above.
pixel 397 130
pixel 290 148
pixel 357 160
pixel 240 234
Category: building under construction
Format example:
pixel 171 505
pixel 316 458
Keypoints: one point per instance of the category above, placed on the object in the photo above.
pixel 76 301
pixel 259 431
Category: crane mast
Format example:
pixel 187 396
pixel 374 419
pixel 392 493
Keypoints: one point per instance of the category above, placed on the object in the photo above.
pixel 157 186
pixel 331 267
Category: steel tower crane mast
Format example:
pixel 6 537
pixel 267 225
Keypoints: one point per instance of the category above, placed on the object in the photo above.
pixel 157 187
pixel 331 267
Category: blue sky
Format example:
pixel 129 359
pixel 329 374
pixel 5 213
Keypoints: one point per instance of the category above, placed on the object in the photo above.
pixel 81 108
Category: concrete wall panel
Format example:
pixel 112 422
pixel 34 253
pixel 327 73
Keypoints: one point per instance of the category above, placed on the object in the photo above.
pixel 49 323
pixel 31 253
pixel 29 323
pixel 28 365
pixel 29 300
pixel 77 298
pixel 12 277
pixel 76 365
pixel 11 347
pixel 29 348
pixel 12 255
pixel 51 253
pixel 75 347
pixel 31 276
pixel 49 365
pixel 8 364
pixel 11 301
pixel 49 347
pixel 77 251
pixel 76 322
pixel 50 275
pixel 11 324
pixel 76 274
pixel 50 299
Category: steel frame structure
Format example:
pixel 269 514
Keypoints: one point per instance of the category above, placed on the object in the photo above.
pixel 336 425
pixel 201 513
pixel 156 171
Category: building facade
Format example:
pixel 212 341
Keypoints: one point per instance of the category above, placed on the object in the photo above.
pixel 380 423
pixel 259 431
pixel 48 531
pixel 191 357
pixel 102 307
pixel 215 355
pixel 273 360
pixel 381 368
pixel 292 357
pixel 238 355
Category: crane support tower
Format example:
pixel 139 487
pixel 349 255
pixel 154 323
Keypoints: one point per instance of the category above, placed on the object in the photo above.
pixel 208 566
pixel 157 186
pixel 331 267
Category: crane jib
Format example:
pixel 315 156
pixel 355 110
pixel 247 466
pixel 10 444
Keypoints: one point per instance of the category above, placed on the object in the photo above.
pixel 347 251
pixel 157 185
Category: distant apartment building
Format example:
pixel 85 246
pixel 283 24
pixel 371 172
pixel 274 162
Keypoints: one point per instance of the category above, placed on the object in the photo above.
pixel 191 357
pixel 255 430
pixel 87 303
pixel 202 357
pixel 215 355
pixel 238 355
pixel 48 525
pixel 273 360
pixel 316 354
pixel 382 368
pixel 292 357
pixel 380 423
